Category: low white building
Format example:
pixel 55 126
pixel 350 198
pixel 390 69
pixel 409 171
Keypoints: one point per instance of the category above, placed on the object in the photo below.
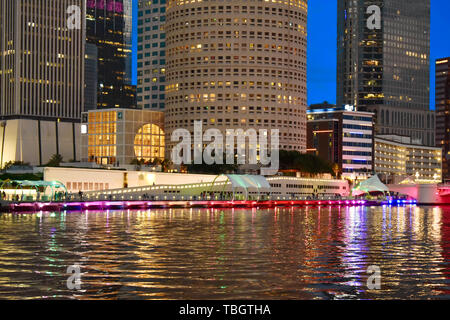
pixel 78 179
pixel 98 183
pixel 399 157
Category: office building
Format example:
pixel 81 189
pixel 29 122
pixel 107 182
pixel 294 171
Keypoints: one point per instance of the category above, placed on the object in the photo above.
pixel 151 55
pixel 109 27
pixel 386 70
pixel 237 65
pixel 400 158
pixel 41 80
pixel 342 136
pixel 443 112
pixel 119 136
pixel 90 77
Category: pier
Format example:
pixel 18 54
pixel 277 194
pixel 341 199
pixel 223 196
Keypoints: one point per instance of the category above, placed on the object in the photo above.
pixel 214 204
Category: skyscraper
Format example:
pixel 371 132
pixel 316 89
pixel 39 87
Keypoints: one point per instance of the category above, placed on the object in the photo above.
pixel 385 70
pixel 90 77
pixel 443 112
pixel 109 27
pixel 41 79
pixel 237 64
pixel 151 54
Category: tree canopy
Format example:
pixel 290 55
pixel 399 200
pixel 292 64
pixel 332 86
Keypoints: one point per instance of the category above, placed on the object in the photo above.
pixel 307 163
pixel 212 169
pixel 55 161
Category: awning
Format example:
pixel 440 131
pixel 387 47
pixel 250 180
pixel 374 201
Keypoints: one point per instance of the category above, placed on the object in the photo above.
pixel 247 182
pixel 35 184
pixel 409 180
pixel 370 185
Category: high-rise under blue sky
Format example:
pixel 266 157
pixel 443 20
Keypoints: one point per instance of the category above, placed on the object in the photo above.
pixel 322 40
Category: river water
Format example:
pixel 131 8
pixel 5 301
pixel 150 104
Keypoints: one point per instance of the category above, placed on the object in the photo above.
pixel 286 253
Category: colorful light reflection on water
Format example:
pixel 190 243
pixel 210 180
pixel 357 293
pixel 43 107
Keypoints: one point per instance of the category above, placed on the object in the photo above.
pixel 295 253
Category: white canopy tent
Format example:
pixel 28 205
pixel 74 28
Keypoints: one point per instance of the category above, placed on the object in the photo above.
pixel 247 182
pixel 372 184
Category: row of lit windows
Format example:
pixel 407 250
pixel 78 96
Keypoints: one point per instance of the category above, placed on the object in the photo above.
pixel 102 151
pixel 88 186
pixel 212 97
pixel 228 46
pixel 217 60
pixel 287 123
pixel 187 25
pixel 237 8
pixel 249 85
pixel 209 72
pixel 245 123
pixel 237 34
pixel 235 84
pixel 236 109
pixel 279 99
pixel 95 117
pixel 211 9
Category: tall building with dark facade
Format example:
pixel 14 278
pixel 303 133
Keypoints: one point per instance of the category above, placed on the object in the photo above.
pixel 90 77
pixel 151 54
pixel 41 79
pixel 109 28
pixel 385 70
pixel 443 113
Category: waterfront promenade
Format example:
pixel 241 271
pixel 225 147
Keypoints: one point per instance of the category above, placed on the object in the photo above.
pixel 213 204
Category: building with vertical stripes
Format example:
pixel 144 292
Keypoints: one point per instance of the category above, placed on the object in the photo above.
pixel 41 79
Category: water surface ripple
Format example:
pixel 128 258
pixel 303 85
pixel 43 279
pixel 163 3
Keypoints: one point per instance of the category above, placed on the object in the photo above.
pixel 286 253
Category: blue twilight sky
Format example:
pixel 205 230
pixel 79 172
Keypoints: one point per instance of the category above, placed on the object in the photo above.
pixel 322 39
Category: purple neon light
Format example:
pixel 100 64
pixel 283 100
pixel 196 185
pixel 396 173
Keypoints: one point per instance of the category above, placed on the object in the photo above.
pixel 110 5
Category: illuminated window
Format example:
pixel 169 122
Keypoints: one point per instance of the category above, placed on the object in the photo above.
pixel 149 143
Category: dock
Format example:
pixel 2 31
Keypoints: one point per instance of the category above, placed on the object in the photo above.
pixel 8 206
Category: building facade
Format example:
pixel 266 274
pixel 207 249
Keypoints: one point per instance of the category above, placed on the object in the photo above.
pixel 109 27
pixel 133 185
pixel 151 90
pixel 342 136
pixel 41 80
pixel 237 65
pixel 398 158
pixel 443 113
pixel 90 77
pixel 385 70
pixel 119 136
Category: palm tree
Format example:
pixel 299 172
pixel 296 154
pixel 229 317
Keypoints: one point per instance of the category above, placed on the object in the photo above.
pixel 335 168
pixel 166 164
pixel 55 160
pixel 157 162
